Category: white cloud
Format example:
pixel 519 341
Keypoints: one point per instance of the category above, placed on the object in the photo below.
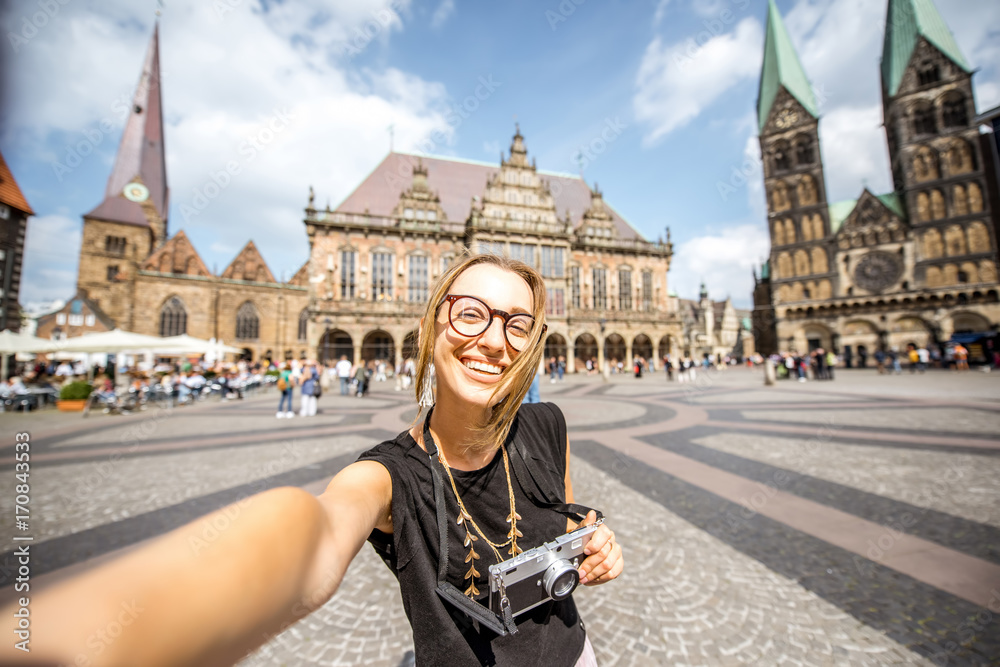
pixel 51 248
pixel 441 14
pixel 225 78
pixel 724 259
pixel 677 82
pixel 661 11
pixel 854 150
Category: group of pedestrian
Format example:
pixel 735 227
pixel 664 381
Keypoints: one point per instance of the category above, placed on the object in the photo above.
pixel 310 377
pixel 556 368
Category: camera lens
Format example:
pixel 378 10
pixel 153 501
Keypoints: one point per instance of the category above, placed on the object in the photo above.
pixel 560 579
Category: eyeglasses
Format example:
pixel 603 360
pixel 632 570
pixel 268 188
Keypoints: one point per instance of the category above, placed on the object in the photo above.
pixel 471 317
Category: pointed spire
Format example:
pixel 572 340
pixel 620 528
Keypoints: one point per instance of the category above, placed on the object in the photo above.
pixel 781 69
pixel 141 154
pixel 905 21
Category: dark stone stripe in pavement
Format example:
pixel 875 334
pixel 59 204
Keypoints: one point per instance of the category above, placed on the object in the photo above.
pixel 976 539
pixel 70 549
pixel 926 620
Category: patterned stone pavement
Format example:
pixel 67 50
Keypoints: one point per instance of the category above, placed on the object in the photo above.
pixel 853 522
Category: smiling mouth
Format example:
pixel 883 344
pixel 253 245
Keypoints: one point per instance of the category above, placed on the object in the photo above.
pixel 482 367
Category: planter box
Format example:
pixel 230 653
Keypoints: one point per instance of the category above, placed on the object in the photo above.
pixel 68 405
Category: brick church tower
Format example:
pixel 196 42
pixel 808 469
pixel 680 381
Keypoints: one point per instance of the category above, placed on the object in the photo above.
pixel 935 150
pixel 798 213
pixel 131 221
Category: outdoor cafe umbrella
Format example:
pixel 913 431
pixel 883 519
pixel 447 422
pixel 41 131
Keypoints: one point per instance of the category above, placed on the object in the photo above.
pixel 184 344
pixel 12 343
pixel 109 342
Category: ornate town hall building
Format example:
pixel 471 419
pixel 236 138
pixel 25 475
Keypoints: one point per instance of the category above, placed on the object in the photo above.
pixel 915 265
pixel 372 259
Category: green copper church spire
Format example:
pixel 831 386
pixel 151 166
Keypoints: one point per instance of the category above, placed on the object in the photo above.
pixel 905 21
pixel 781 68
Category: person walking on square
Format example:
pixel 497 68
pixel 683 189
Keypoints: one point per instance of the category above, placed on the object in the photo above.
pixel 923 358
pixel 561 368
pixel 500 467
pixel 310 385
pixel 831 361
pixel 961 357
pixel 344 373
pixel 286 386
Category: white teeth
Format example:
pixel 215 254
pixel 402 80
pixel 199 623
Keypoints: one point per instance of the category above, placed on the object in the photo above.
pixel 485 368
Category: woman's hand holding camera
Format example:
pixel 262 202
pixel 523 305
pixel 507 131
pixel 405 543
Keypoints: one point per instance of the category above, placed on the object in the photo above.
pixel 604 560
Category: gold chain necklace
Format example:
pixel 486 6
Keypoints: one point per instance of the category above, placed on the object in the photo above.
pixel 465 519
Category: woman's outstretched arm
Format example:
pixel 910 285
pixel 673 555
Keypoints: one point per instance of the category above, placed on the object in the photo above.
pixel 210 592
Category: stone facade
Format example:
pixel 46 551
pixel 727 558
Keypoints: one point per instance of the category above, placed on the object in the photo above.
pixel 715 329
pixel 373 259
pixel 913 266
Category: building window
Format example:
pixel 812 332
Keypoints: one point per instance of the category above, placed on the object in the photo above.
pixel 954 112
pixel 804 151
pixel 574 286
pixel 416 286
pixel 554 303
pixel 90 320
pixel 75 320
pixel 782 156
pixel 446 261
pixel 247 322
pixel 552 262
pixel 348 259
pixel 112 273
pixel 625 289
pixel 4 212
pixel 491 248
pixel 647 290
pixel 928 74
pixel 114 245
pixel 303 324
pixel 523 253
pixel 923 121
pixel 600 277
pixel 381 276
pixel 173 318
pixel 60 318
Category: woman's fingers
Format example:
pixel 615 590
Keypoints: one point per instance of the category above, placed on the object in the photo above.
pixel 604 560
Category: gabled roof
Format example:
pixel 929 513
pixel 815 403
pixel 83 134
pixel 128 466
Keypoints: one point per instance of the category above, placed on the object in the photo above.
pixel 73 306
pixel 177 256
pixel 249 266
pixel 841 211
pixel 905 21
pixel 457 182
pixel 141 154
pixel 781 68
pixel 10 194
pixel 301 277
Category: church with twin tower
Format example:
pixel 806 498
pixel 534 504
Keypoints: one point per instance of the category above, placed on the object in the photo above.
pixel 914 265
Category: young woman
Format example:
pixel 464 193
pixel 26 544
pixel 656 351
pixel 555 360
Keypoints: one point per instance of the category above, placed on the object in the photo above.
pixel 285 552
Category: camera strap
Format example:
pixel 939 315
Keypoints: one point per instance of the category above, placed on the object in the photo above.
pixel 448 591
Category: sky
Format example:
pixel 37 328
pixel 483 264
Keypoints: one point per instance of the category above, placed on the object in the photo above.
pixel 677 79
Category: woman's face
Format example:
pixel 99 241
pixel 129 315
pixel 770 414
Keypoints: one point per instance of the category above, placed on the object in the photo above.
pixel 468 369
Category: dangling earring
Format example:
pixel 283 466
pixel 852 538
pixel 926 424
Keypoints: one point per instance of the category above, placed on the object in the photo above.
pixel 426 390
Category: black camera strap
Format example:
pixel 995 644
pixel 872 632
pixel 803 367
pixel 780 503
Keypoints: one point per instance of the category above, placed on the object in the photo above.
pixel 448 591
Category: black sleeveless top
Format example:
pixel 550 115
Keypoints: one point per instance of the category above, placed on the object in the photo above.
pixel 550 635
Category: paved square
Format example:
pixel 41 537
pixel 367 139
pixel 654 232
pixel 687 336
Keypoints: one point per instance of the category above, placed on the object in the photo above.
pixel 852 522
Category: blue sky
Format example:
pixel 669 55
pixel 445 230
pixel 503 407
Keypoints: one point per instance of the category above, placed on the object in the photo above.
pixel 680 76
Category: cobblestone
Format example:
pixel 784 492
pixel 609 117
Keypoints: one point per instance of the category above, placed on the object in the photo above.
pixel 911 476
pixel 699 589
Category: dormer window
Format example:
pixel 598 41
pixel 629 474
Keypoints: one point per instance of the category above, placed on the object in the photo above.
pixel 408 213
pixel 420 214
pixel 432 215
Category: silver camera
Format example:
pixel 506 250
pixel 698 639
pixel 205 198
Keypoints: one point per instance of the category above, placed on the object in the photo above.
pixel 547 572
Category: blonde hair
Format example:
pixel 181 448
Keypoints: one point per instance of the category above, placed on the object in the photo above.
pixel 517 377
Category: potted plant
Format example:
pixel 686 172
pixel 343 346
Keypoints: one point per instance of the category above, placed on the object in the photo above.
pixel 73 396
